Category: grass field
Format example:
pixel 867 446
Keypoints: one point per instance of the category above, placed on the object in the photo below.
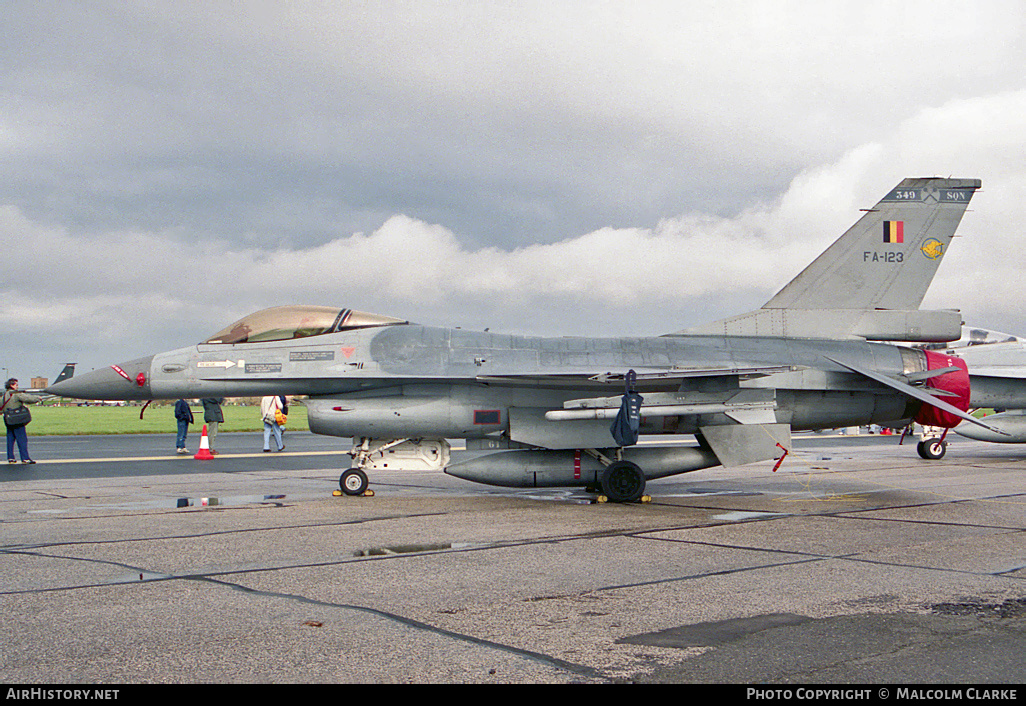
pixel 74 420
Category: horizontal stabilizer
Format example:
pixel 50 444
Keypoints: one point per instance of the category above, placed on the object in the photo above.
pixel 913 392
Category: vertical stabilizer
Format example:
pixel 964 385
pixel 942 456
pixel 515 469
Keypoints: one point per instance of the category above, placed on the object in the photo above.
pixel 69 371
pixel 870 282
pixel 889 257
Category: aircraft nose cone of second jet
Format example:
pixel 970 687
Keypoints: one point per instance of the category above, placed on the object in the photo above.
pixel 118 382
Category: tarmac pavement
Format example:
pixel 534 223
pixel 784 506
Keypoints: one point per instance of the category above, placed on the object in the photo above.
pixel 856 562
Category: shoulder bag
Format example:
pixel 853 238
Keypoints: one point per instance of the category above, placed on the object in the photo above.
pixel 16 416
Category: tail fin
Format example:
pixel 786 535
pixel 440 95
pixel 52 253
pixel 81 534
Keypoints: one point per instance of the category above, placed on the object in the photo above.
pixel 871 281
pixel 888 259
pixel 69 371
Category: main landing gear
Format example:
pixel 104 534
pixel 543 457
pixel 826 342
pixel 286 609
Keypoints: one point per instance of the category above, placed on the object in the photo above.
pixel 620 481
pixel 932 449
pixel 932 445
pixel 623 482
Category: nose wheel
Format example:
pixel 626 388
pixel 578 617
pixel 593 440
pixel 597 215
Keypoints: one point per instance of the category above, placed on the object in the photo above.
pixel 353 482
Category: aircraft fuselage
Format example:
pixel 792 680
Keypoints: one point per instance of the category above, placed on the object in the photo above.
pixel 413 380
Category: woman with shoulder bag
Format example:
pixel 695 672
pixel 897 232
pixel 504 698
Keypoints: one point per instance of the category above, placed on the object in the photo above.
pixel 16 417
pixel 270 412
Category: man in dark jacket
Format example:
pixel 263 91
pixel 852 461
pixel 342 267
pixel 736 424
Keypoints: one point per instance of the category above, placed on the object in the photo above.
pixel 184 416
pixel 212 417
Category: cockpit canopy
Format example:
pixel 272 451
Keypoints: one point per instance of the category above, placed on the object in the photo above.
pixel 282 323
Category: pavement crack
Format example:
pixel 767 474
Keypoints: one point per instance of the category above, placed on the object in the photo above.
pixel 145 575
pixel 549 660
pixel 203 535
pixel 707 574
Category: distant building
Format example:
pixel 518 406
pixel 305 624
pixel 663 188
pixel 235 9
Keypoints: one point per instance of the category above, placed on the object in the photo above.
pixel 40 383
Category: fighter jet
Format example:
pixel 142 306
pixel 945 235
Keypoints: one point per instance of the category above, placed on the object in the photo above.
pixel 543 412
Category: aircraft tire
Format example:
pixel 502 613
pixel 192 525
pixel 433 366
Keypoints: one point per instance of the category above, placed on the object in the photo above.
pixel 932 449
pixel 353 482
pixel 623 482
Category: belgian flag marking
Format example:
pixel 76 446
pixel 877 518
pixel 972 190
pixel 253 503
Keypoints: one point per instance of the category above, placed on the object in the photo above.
pixel 894 231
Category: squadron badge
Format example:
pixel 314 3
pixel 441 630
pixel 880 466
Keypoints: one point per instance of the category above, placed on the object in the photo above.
pixel 933 248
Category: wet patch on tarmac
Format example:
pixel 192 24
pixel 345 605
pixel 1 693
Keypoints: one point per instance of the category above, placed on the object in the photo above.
pixel 403 549
pixel 1011 608
pixel 745 515
pixel 975 639
pixel 719 632
pixel 276 500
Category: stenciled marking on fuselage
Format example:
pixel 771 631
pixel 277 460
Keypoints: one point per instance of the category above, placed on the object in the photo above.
pixel 868 256
pixel 263 367
pixel 311 355
pixel 216 364
pixel 906 194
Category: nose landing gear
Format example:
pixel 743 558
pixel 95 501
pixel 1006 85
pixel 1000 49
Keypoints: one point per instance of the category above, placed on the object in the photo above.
pixel 353 482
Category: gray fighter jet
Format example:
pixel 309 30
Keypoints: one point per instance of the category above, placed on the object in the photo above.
pixel 568 411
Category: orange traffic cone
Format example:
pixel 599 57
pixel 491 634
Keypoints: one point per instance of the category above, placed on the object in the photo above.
pixel 204 450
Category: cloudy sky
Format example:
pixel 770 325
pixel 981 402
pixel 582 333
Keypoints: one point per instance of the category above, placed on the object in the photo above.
pixel 581 168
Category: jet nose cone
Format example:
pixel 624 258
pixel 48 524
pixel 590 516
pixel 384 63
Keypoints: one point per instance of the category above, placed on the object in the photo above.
pixel 118 382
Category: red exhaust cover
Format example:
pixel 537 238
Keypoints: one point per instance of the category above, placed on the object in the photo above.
pixel 956 382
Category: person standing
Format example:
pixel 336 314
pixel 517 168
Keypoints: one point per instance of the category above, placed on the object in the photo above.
pixel 183 414
pixel 284 415
pixel 16 418
pixel 212 417
pixel 270 408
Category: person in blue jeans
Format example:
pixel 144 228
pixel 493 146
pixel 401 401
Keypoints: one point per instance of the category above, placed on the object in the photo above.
pixel 184 416
pixel 268 406
pixel 12 399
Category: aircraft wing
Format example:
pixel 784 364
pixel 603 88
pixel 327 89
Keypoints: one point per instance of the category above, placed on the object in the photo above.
pixel 1017 372
pixel 753 435
pixel 683 373
pixel 1004 359
pixel 643 375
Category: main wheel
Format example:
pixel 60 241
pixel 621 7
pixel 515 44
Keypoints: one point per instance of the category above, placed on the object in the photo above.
pixel 623 482
pixel 932 449
pixel 353 482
